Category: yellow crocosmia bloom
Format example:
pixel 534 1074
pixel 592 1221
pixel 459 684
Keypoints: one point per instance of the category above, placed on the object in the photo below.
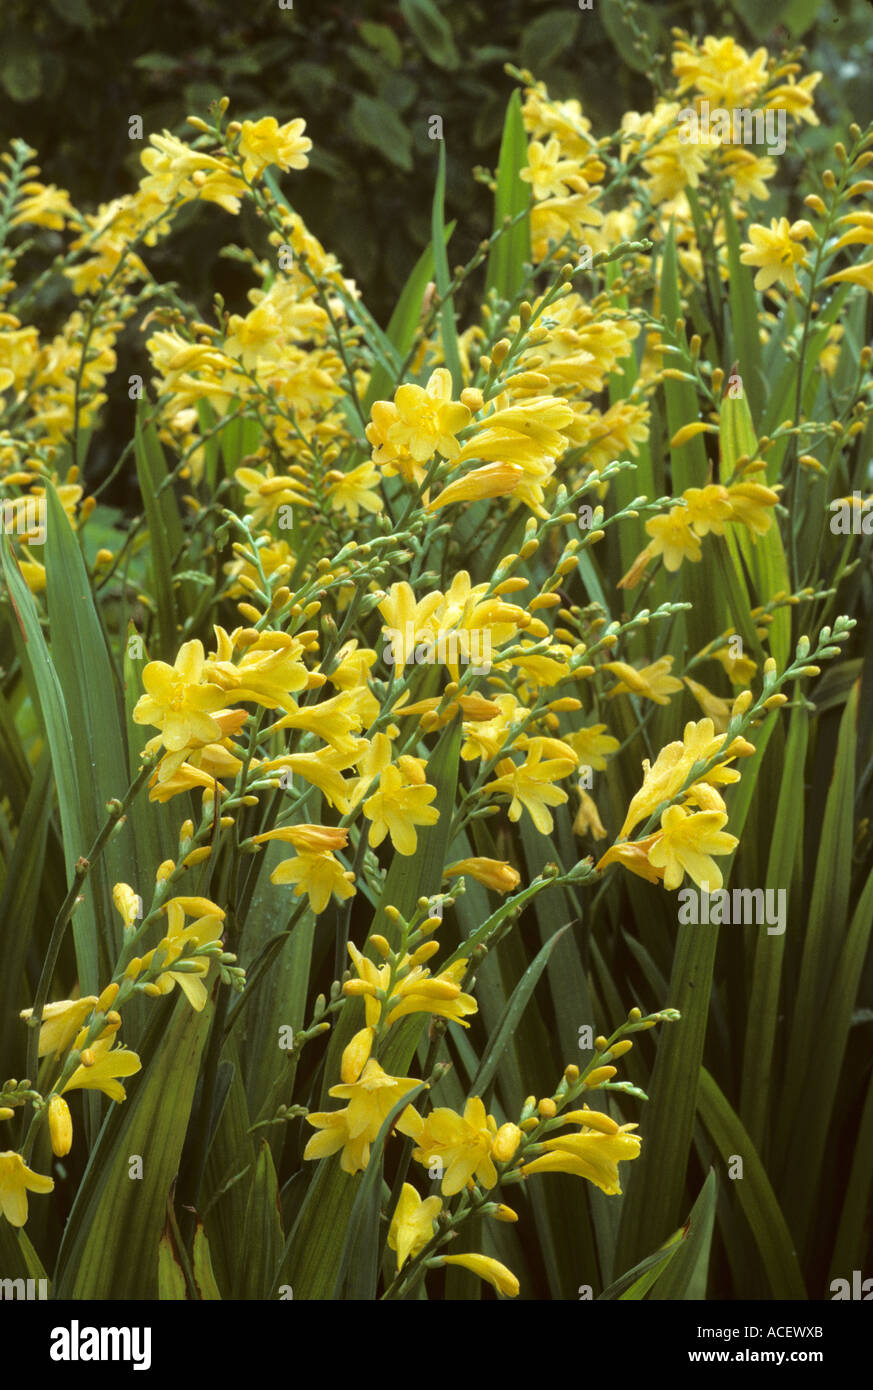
pixel 269 672
pixel 336 721
pixel 705 798
pixel 322 769
pixel 687 844
pixel 356 1055
pixel 265 142
pixel 16 1180
pixel 750 503
pixel 491 480
pixel 407 621
pixel 634 855
pixel 315 838
pixel 589 1154
pixel 721 70
pixel 266 494
pixel 61 1022
pixel 708 509
pixel 486 737
pixel 319 875
pixel 663 779
pixel 740 669
pixel 179 702
pixel 549 175
pixel 129 904
pixel 422 421
pixel 412 1223
pixel 775 251
pixel 60 1126
pixel 530 786
pixel 650 682
pixel 593 746
pixel 796 97
pixel 587 821
pixel 492 1271
pixel 719 710
pixel 371 977
pixel 419 993
pixel 492 873
pixel 397 808
pixel 673 538
pixel 370 1101
pixel 356 491
pixel 106 1065
pixel 461 1143
pixel 179 937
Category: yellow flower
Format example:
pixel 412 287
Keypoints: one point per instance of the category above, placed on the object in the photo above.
pixel 749 503
pixel 355 491
pixel 60 1126
pixel 651 682
pixel 663 779
pixel 265 142
pixel 687 844
pixel 634 855
pixel 16 1179
pixel 673 538
pixel 423 420
pixel 721 70
pixel 397 807
pixel 412 1223
pixel 590 1154
pixel 776 251
pixel 491 480
pixel 317 874
pixel 719 710
pixel 587 819
pixel 129 904
pixel 61 1022
pixel 492 873
pixel 484 1267
pixel 178 702
pixel 408 620
pixel 549 175
pixel 592 746
pixel 460 1143
pixel 371 1099
pixel 104 1065
pixel 420 992
pixel 179 937
pixel 530 785
pixel 708 509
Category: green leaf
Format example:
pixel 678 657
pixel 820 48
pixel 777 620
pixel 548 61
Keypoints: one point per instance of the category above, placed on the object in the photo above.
pixel 448 324
pixel 263 1227
pixel 686 1277
pixel 171 1275
pixel 744 317
pixel 635 1283
pixel 753 1191
pixel 165 530
pixel 515 1007
pixel 49 696
pixel 204 1275
pixel 546 38
pixel 378 125
pixel 432 32
pixel 505 269
pixel 110 1243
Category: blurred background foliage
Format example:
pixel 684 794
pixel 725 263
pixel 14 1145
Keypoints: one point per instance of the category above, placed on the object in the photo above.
pixel 366 77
